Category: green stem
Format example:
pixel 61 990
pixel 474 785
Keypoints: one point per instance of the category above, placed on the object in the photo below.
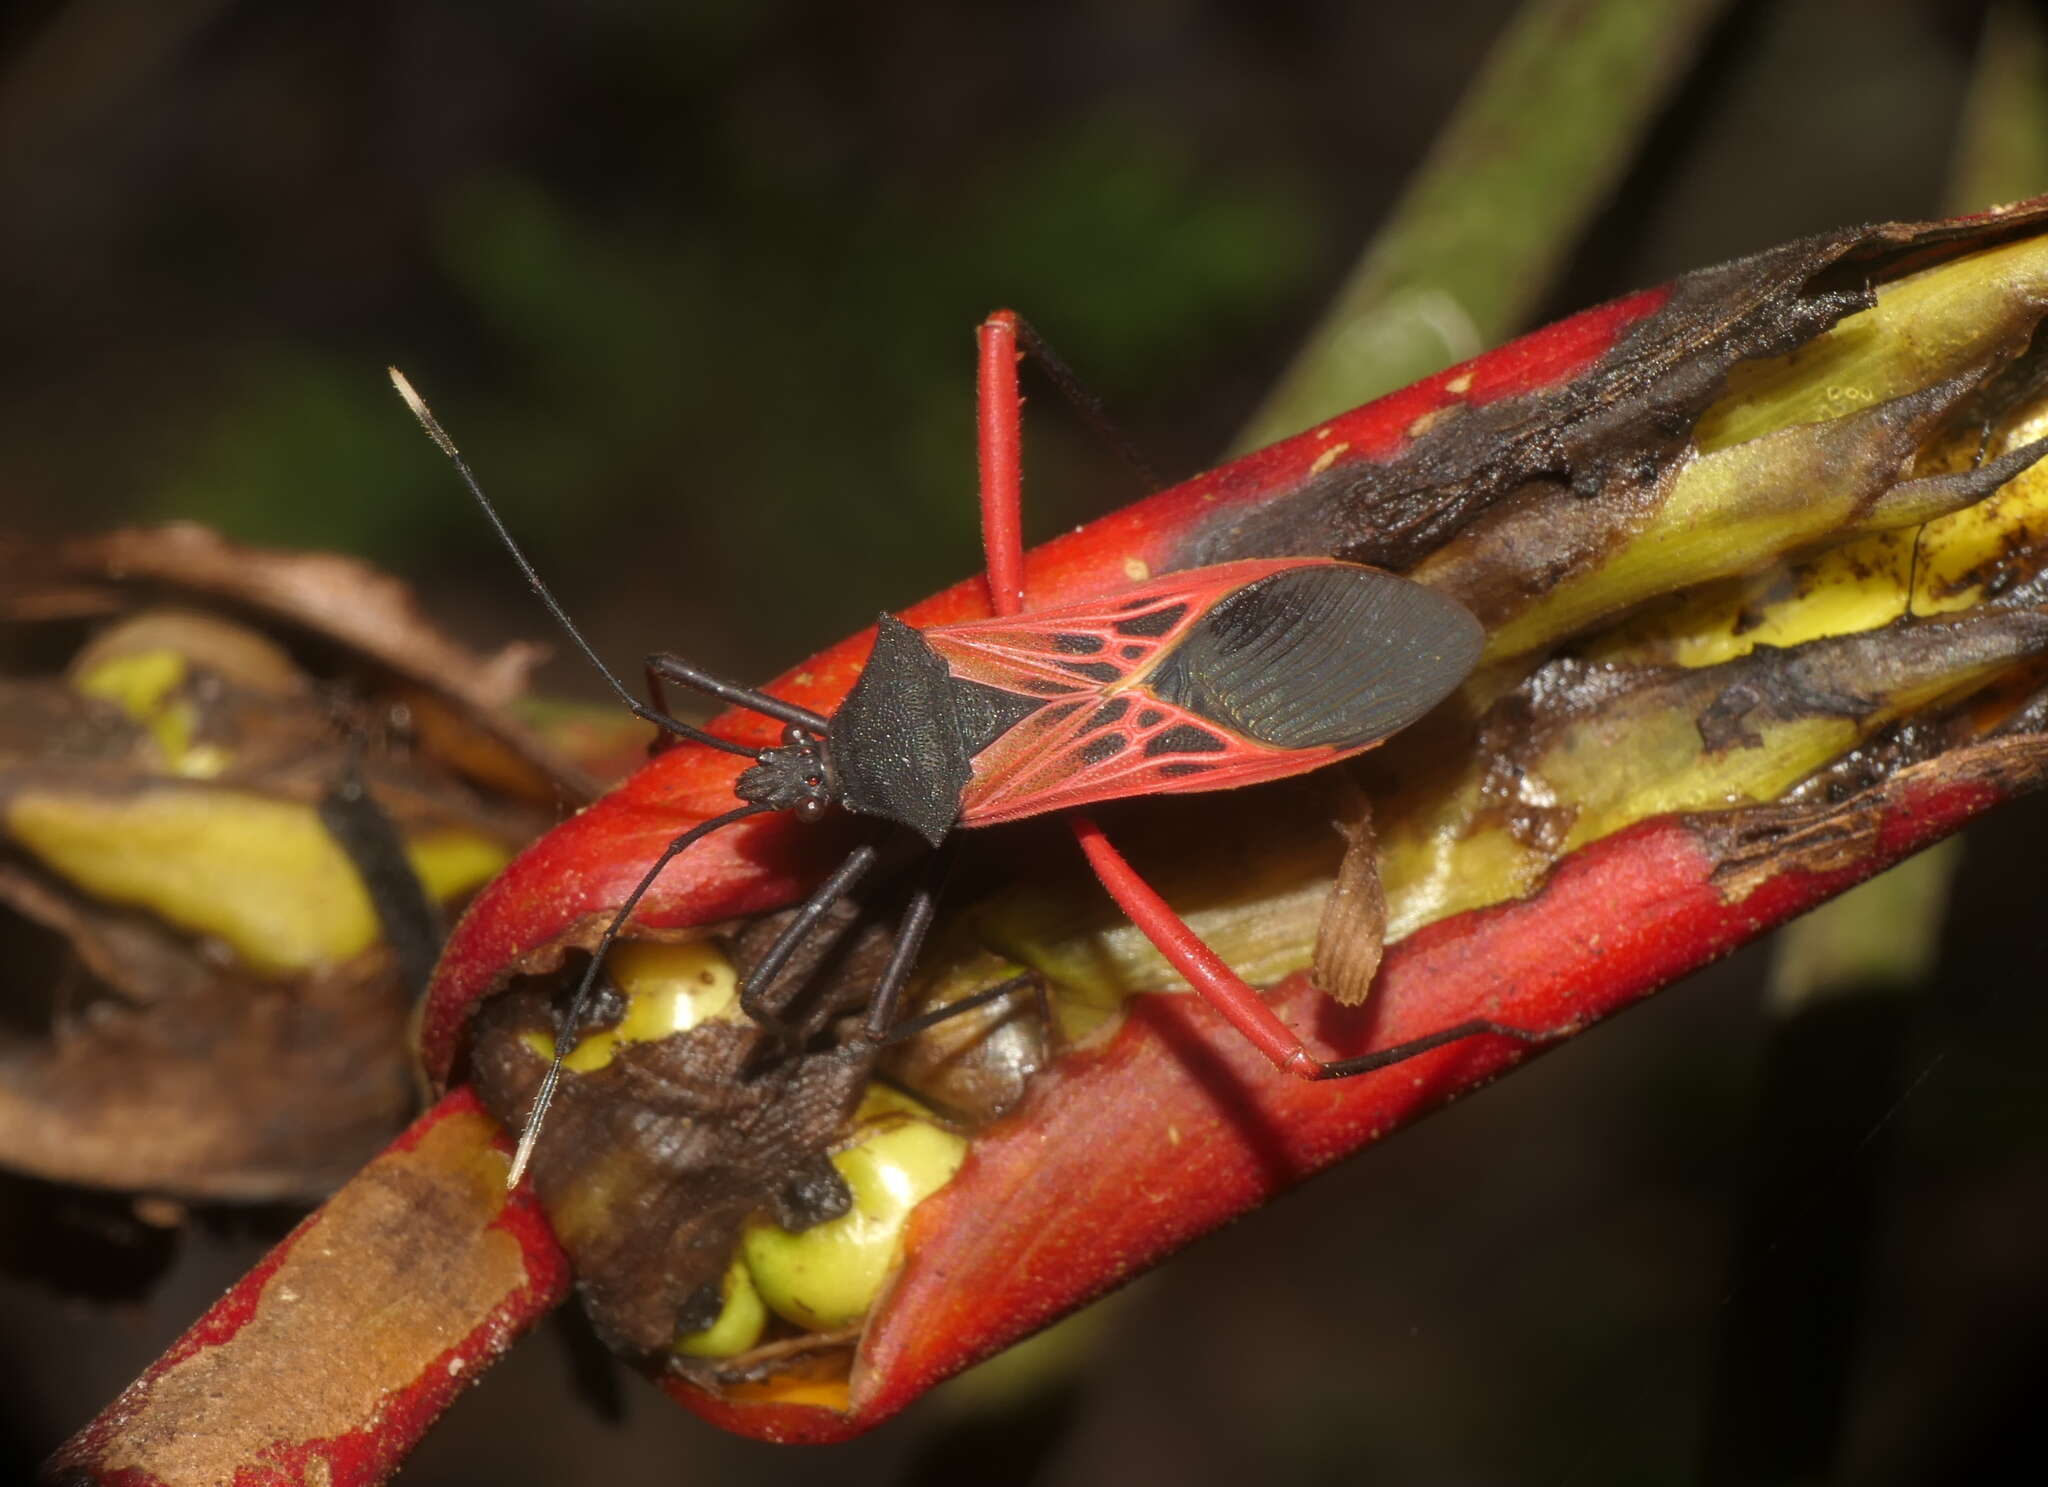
pixel 1531 153
pixel 2002 149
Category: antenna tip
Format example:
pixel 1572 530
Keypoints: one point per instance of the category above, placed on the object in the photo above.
pixel 423 413
pixel 521 1156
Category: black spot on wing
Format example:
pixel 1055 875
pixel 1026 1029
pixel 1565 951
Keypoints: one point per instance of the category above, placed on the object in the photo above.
pixel 1184 738
pixel 1131 652
pixel 1155 624
pixel 1322 656
pixel 1106 714
pixel 1071 644
pixel 1045 686
pixel 1095 671
pixel 1096 750
pixel 1150 718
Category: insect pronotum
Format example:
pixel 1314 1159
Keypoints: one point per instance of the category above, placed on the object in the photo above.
pixel 1211 677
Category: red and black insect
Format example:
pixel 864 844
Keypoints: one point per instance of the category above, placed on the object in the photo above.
pixel 1204 679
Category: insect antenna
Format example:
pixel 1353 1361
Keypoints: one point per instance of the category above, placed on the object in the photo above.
pixel 667 666
pixel 570 1027
pixel 640 709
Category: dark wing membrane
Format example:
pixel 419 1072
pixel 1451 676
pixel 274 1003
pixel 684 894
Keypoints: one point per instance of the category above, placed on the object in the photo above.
pixel 1330 656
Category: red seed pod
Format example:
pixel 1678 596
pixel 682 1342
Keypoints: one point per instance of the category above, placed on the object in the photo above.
pixel 1492 457
pixel 1627 379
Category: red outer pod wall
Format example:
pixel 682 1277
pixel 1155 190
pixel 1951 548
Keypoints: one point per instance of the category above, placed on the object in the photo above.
pixel 1175 1105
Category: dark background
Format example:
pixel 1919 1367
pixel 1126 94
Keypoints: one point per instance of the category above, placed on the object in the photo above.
pixel 694 285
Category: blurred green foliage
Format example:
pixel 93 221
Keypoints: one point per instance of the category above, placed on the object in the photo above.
pixel 811 297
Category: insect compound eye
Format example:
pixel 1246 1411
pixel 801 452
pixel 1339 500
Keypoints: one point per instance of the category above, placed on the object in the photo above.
pixel 791 734
pixel 810 808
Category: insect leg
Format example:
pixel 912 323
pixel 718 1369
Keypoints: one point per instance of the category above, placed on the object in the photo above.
pixel 667 666
pixel 1084 403
pixel 910 1027
pixel 1227 992
pixel 910 933
pixel 998 446
pixel 657 698
pixel 881 1027
pixel 806 918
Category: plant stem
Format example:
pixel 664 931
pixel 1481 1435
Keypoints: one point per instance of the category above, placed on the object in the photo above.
pixel 1530 154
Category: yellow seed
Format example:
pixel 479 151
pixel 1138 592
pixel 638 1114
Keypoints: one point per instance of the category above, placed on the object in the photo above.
pixel 831 1274
pixel 739 1325
pixel 668 989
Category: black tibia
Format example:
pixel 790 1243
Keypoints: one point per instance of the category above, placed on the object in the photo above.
pixel 910 933
pixel 1085 403
pixel 760 998
pixel 1365 1063
pixel 924 1022
pixel 657 700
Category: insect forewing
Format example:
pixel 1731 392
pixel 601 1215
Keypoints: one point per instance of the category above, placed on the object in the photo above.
pixel 1215 677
